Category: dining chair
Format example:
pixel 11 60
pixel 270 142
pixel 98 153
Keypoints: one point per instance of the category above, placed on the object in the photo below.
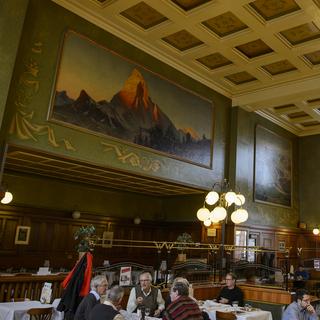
pixel 40 313
pixel 220 315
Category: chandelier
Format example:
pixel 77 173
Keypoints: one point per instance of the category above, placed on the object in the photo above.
pixel 220 202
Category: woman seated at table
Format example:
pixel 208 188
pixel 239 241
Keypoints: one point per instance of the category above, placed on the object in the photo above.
pixel 231 294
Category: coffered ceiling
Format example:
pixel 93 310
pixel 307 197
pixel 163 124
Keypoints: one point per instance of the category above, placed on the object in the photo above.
pixel 263 54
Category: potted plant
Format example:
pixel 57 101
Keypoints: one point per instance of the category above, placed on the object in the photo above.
pixel 182 243
pixel 84 235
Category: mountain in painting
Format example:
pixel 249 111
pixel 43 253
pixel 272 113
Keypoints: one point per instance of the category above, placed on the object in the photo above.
pixel 130 115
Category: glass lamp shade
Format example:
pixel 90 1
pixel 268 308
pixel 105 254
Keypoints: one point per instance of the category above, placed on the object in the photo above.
pixel 240 200
pixel 212 197
pixel 207 223
pixel 213 218
pixel 239 216
pixel 230 197
pixel 203 214
pixel 219 213
pixel 235 217
pixel 316 231
pixel 7 198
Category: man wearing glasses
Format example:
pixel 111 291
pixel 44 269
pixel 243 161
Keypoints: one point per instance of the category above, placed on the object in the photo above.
pixel 301 309
pixel 145 295
pixel 231 294
pixel 99 285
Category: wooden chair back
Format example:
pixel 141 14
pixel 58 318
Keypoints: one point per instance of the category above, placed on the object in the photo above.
pixel 220 315
pixel 40 313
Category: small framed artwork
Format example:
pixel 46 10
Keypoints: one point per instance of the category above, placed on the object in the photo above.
pixel 282 245
pixel 22 235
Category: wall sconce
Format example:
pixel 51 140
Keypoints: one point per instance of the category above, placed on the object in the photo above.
pixel 316 231
pixel 222 202
pixel 137 220
pixel 6 195
pixel 76 214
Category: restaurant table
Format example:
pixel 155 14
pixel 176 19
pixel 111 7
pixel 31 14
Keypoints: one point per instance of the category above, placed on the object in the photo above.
pixel 134 316
pixel 211 307
pixel 18 310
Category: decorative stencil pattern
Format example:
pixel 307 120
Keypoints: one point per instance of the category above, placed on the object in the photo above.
pixel 182 40
pixel 279 67
pixel 271 9
pixel 144 15
pixel 214 60
pixel 225 24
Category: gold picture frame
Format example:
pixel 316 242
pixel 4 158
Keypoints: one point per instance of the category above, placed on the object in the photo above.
pixel 22 235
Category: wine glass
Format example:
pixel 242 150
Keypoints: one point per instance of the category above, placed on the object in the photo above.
pixel 147 311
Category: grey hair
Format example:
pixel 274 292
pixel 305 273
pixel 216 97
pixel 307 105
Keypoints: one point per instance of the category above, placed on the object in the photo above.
pixel 115 294
pixel 181 279
pixel 96 281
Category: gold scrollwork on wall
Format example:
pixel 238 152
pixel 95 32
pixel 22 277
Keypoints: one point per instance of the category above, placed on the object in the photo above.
pixel 23 125
pixel 132 158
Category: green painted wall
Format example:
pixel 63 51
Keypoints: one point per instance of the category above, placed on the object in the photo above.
pixel 309 177
pixel 12 15
pixel 29 102
pixel 243 168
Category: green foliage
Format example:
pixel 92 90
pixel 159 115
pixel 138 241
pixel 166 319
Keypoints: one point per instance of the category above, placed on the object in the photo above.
pixel 84 234
pixel 184 238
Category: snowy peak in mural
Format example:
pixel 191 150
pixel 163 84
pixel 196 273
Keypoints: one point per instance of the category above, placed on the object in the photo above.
pixel 130 115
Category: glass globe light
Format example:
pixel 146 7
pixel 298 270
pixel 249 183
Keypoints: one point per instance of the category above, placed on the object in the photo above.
pixel 207 223
pixel 213 218
pixel 230 197
pixel 240 200
pixel 7 198
pixel 212 197
pixel 236 217
pixel 243 214
pixel 316 231
pixel 203 214
pixel 219 213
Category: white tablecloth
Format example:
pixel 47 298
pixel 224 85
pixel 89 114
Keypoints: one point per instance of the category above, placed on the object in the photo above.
pixel 134 316
pixel 18 310
pixel 211 307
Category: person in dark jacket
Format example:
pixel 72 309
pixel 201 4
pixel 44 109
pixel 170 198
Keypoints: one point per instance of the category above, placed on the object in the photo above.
pixel 109 309
pixel 99 285
pixel 182 306
pixel 231 294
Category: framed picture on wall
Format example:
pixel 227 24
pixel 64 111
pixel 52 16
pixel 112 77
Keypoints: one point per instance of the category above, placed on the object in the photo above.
pixel 282 245
pixel 272 168
pixel 103 93
pixel 22 235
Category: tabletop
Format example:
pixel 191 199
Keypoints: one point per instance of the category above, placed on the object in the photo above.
pixel 18 310
pixel 211 307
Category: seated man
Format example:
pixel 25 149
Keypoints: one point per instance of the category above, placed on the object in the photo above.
pixel 301 274
pixel 109 309
pixel 300 309
pixel 231 293
pixel 146 295
pixel 98 286
pixel 182 306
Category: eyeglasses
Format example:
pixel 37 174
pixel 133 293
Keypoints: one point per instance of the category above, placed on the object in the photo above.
pixel 144 280
pixel 228 279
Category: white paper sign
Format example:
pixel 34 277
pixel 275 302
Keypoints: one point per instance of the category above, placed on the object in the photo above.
pixel 125 276
pixel 46 293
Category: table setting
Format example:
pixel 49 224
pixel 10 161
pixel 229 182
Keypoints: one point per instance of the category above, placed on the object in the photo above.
pixel 244 313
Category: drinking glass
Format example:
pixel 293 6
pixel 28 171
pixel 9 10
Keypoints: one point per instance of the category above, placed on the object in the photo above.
pixel 147 311
pixel 235 305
